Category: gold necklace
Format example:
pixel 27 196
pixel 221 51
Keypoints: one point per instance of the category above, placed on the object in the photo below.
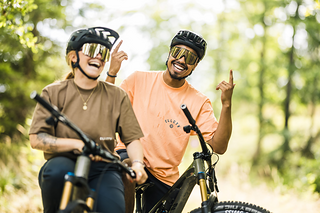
pixel 85 107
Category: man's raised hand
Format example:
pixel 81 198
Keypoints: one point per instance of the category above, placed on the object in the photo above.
pixel 116 59
pixel 226 90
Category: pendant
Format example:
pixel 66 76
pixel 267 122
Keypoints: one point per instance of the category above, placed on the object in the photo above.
pixel 84 106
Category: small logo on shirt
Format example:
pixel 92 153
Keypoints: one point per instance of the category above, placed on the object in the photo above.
pixel 172 123
pixel 106 138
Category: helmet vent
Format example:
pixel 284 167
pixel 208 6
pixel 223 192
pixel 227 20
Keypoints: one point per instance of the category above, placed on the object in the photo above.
pixel 100 35
pixel 192 40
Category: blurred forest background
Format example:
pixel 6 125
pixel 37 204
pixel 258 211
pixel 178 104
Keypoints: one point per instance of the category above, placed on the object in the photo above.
pixel 273 47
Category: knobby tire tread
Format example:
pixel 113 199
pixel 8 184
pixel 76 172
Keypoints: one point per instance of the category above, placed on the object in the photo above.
pixel 234 207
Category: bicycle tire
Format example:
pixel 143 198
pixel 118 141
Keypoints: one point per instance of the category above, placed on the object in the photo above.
pixel 234 207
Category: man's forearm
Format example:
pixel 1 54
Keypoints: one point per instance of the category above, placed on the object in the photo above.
pixel 220 140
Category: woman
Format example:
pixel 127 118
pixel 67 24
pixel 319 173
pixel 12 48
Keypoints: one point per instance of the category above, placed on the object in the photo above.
pixel 100 110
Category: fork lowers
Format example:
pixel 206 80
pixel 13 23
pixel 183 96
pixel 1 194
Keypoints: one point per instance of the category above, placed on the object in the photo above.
pixel 200 171
pixel 203 186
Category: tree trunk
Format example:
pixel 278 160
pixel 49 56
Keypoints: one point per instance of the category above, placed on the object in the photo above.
pixel 257 154
pixel 306 151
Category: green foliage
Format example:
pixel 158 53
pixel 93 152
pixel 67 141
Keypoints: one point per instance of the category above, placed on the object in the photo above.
pixel 299 173
pixel 272 46
pixel 13 16
pixel 23 59
pixel 29 60
pixel 19 168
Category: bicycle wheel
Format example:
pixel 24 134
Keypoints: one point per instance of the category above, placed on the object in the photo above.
pixel 234 207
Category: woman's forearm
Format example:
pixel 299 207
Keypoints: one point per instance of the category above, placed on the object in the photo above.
pixel 51 144
pixel 135 151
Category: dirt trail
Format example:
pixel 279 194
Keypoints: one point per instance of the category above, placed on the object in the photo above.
pixel 234 186
pixel 230 189
pixel 274 201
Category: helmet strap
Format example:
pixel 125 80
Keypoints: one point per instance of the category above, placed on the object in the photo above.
pixel 77 65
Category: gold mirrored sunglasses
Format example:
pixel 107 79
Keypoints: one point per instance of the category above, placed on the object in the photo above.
pixel 179 52
pixel 93 49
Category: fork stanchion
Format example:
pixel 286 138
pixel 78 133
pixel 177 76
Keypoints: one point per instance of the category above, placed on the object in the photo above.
pixel 90 199
pixel 67 190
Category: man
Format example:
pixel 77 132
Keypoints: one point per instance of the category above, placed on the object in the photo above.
pixel 156 98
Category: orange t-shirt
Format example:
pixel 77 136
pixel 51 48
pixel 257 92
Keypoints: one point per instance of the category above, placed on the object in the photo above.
pixel 157 108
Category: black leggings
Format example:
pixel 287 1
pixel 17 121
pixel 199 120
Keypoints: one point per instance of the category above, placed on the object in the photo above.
pixel 109 186
pixel 153 193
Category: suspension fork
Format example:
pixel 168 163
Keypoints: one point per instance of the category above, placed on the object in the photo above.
pixel 78 178
pixel 201 173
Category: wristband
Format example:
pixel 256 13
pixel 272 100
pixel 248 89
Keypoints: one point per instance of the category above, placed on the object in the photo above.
pixel 113 76
pixel 138 161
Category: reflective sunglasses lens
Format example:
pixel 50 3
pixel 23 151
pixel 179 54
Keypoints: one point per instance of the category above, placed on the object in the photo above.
pixel 105 53
pixel 175 51
pixel 182 52
pixel 92 50
pixel 178 52
pixel 89 49
pixel 191 58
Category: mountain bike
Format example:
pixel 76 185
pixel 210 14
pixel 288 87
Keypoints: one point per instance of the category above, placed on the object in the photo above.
pixel 77 195
pixel 201 172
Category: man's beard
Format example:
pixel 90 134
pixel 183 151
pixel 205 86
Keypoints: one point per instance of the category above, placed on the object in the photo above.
pixel 174 76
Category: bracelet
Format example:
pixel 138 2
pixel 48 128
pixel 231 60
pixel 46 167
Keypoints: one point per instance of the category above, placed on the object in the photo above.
pixel 113 76
pixel 138 161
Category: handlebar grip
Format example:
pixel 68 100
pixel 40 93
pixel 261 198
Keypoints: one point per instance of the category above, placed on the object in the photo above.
pixel 188 115
pixel 132 173
pixel 127 169
pixel 97 150
pixel 34 95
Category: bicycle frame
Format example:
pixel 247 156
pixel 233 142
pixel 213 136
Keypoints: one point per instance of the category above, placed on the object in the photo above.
pixel 175 199
pixel 76 193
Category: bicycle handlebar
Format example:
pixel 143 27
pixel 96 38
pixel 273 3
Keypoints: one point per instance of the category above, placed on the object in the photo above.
pixel 194 127
pixel 90 147
pixel 188 115
pixel 205 150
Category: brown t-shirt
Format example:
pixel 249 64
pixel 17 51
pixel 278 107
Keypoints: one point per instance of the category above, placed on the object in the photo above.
pixel 109 111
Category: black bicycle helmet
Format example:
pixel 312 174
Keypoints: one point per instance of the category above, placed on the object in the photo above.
pixel 100 35
pixel 192 40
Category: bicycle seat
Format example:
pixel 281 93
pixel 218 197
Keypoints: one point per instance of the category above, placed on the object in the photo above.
pixel 140 188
